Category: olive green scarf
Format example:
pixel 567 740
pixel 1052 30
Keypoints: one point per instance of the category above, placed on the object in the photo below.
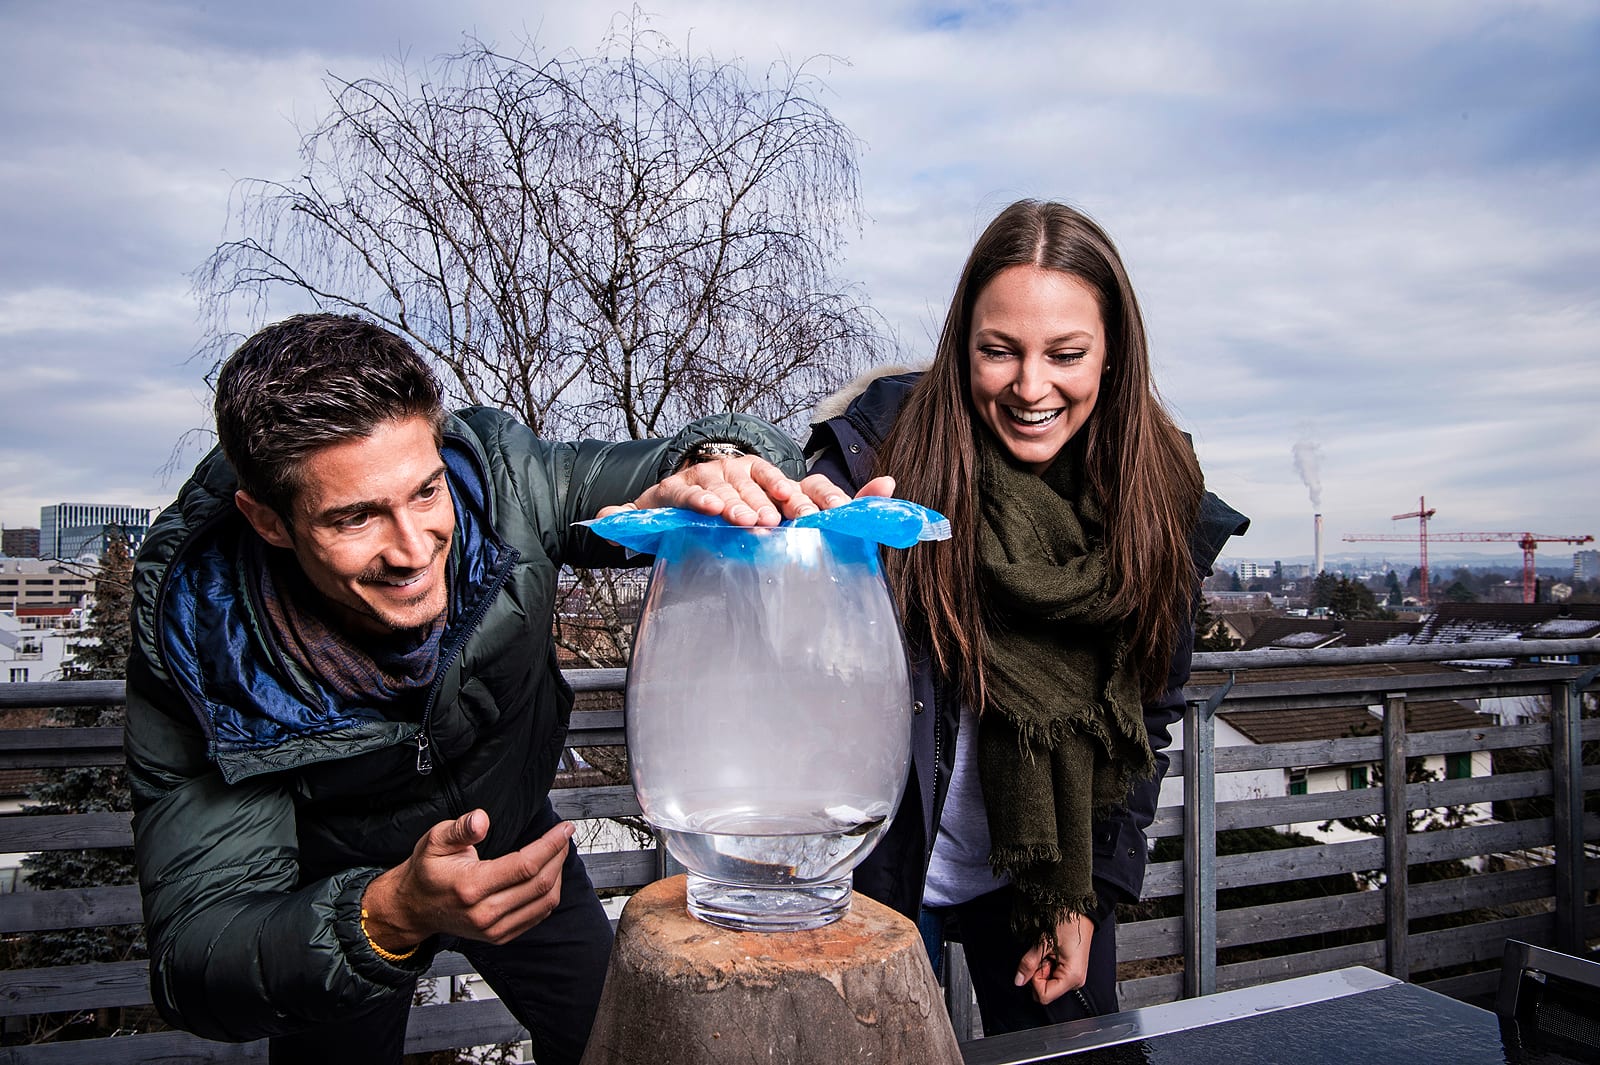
pixel 1062 732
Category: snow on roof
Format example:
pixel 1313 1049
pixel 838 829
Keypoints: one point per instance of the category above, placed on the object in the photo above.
pixel 1559 627
pixel 1302 639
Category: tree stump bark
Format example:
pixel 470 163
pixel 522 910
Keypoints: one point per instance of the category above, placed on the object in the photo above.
pixel 683 992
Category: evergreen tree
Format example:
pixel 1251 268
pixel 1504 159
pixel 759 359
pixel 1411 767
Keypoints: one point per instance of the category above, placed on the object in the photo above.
pixel 1396 595
pixel 1322 589
pixel 108 637
pixel 1210 634
pixel 1352 600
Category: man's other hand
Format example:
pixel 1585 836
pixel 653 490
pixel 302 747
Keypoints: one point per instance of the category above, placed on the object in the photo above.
pixel 444 887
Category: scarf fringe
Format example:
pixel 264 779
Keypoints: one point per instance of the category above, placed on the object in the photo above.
pixel 1035 917
pixel 1048 735
pixel 1012 861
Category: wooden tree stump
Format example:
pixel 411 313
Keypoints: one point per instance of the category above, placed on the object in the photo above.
pixel 683 992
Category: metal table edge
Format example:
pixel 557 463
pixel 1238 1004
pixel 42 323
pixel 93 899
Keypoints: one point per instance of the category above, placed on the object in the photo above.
pixel 1041 1044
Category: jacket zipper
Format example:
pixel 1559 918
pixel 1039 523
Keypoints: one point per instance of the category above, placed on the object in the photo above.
pixel 938 804
pixel 422 737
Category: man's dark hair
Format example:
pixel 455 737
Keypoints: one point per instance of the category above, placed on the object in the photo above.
pixel 310 381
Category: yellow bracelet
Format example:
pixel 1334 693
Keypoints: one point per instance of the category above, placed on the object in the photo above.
pixel 386 955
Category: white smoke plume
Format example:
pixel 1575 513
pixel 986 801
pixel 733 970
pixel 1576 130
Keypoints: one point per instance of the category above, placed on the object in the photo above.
pixel 1308 464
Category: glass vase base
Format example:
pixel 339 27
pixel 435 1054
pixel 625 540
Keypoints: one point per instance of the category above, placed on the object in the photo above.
pixel 791 908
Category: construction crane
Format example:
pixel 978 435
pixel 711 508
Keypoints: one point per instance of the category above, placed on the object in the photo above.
pixel 1525 540
pixel 1422 514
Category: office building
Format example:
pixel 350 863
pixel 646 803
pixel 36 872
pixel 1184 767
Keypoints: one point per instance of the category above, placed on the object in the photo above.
pixel 36 582
pixel 70 530
pixel 19 543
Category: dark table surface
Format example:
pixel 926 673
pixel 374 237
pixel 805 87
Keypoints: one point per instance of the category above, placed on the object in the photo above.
pixel 1354 1015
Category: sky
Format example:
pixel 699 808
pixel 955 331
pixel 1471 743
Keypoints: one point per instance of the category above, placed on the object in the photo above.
pixel 1366 236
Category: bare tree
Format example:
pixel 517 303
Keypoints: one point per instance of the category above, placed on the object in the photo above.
pixel 609 243
pixel 604 244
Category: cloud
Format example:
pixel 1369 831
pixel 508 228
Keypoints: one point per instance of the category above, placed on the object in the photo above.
pixel 1382 219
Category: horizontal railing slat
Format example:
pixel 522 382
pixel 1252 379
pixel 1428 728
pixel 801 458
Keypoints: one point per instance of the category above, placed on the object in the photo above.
pixel 621 869
pixel 59 988
pixel 39 911
pixel 603 801
pixel 429 1028
pixel 1478 942
pixel 1310 753
pixel 1272 867
pixel 1481 986
pixel 1287 966
pixel 27 833
pixel 1328 805
pixel 1143 991
pixel 62 988
pixel 59 748
pixel 1380 653
pixel 461 1024
pixel 160 1048
pixel 1295 755
pixel 1293 809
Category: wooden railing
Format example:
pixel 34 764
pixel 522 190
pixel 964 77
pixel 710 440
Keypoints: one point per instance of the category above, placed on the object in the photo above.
pixel 1534 877
pixel 1539 894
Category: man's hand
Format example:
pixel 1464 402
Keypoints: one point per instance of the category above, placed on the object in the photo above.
pixel 1053 972
pixel 747 490
pixel 444 887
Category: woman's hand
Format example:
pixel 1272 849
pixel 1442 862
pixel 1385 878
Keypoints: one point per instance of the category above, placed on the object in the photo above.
pixel 1053 972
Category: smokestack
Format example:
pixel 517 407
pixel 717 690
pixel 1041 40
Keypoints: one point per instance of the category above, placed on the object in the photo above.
pixel 1316 558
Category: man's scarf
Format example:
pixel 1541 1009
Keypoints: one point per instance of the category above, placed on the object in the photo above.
pixel 1062 735
pixel 371 673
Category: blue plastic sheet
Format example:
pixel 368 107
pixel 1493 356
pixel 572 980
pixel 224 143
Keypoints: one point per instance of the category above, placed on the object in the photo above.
pixel 874 519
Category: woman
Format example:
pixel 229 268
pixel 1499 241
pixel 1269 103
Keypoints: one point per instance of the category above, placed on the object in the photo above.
pixel 1052 633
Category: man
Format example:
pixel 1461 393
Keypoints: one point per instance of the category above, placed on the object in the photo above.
pixel 344 711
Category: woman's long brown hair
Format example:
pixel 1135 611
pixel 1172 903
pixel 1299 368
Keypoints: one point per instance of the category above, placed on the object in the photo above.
pixel 1138 464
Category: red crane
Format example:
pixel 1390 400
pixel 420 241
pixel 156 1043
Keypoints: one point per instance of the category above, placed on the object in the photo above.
pixel 1525 540
pixel 1422 514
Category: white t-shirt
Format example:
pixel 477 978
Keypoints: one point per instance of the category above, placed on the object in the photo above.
pixel 959 870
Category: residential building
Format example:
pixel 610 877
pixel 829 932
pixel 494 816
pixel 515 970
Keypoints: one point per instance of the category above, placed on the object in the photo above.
pixel 1247 728
pixel 37 643
pixel 1250 571
pixel 19 543
pixel 69 530
pixel 37 582
pixel 1240 625
pixel 1481 622
pixel 1239 602
pixel 1299 633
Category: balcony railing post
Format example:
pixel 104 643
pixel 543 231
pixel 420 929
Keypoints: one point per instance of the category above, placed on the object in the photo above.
pixel 1566 764
pixel 1396 923
pixel 1200 845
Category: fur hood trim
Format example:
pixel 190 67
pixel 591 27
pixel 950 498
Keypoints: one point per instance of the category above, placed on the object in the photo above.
pixel 835 405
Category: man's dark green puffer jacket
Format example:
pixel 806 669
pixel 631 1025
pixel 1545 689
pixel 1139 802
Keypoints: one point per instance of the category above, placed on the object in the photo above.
pixel 262 808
